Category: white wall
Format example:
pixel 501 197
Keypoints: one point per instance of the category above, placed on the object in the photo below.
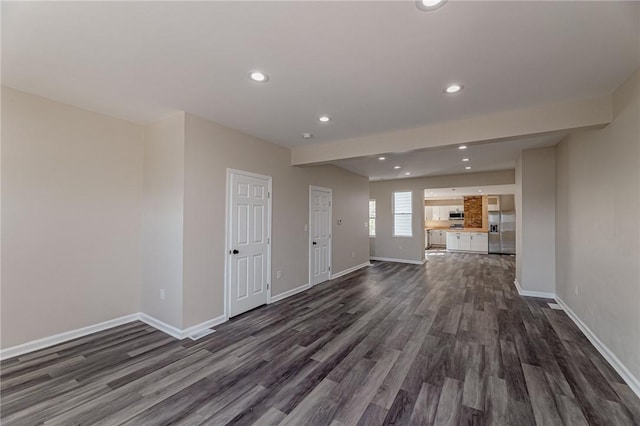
pixel 598 218
pixel 163 219
pixel 385 245
pixel 535 221
pixel 71 206
pixel 210 150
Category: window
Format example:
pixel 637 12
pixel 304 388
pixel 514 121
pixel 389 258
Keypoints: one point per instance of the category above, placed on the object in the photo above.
pixel 372 218
pixel 402 214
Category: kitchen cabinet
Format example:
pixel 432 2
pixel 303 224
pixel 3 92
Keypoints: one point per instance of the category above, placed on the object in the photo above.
pixel 441 212
pixel 452 241
pixel 479 242
pixel 468 241
pixel 459 241
pixel 437 237
pixel 437 213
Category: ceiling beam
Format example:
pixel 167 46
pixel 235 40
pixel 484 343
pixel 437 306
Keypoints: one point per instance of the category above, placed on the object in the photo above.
pixel 568 115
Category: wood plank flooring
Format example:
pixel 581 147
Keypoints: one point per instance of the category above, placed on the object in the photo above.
pixel 446 343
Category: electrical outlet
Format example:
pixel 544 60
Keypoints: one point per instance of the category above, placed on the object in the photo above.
pixel 576 290
pixel 162 294
pixel 353 254
pixel 306 228
pixel 279 274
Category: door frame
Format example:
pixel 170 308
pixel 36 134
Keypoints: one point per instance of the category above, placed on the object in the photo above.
pixel 227 235
pixel 330 191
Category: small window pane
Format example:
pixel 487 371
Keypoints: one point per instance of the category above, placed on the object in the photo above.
pixel 402 216
pixel 372 218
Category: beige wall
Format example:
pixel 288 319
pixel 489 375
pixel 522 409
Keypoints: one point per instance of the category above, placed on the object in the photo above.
pixel 598 216
pixel 162 219
pixel 541 119
pixel 385 245
pixel 536 223
pixel 99 214
pixel 518 202
pixel 210 150
pixel 450 202
pixel 71 206
pixel 507 202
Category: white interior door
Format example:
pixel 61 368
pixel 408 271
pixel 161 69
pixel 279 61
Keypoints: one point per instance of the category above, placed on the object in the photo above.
pixel 319 234
pixel 248 232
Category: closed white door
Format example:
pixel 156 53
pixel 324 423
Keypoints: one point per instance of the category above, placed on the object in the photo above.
pixel 319 234
pixel 248 230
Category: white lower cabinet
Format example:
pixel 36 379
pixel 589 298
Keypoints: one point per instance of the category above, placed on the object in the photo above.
pixel 468 241
pixel 452 241
pixel 479 242
pixel 436 237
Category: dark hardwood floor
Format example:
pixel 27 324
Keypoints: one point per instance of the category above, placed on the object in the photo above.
pixel 446 343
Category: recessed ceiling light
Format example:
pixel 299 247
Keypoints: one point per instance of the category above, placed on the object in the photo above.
pixel 324 118
pixel 258 76
pixel 462 147
pixel 407 173
pixel 468 168
pixel 396 167
pixel 453 88
pixel 479 190
pixel 382 158
pixel 465 159
pixel 307 135
pixel 429 4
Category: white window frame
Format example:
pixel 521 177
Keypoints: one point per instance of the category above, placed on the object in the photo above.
pixel 393 213
pixel 375 214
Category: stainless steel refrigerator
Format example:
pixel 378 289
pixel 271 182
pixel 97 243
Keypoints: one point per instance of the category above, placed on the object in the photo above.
pixel 502 232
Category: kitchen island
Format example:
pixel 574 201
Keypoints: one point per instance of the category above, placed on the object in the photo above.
pixel 471 240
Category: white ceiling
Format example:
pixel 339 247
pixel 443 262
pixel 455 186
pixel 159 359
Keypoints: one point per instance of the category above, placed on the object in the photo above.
pixel 447 161
pixel 372 66
pixel 456 193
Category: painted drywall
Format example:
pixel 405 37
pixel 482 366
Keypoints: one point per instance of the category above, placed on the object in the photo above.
pixel 507 202
pixel 385 245
pixel 598 220
pixel 536 223
pixel 450 202
pixel 71 206
pixel 564 115
pixel 518 202
pixel 210 150
pixel 162 219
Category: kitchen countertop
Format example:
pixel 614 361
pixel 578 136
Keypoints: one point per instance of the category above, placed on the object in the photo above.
pixel 456 230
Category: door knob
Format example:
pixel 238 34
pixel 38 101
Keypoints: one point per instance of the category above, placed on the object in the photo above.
pixel 235 251
pixel 314 243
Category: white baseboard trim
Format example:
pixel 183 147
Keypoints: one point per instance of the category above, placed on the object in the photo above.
pixel 188 332
pixel 349 270
pixel 289 293
pixel 528 293
pixel 389 259
pixel 162 326
pixel 630 379
pixel 45 342
pixel 56 339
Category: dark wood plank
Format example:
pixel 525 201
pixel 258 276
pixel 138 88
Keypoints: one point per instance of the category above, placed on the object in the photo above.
pixel 449 342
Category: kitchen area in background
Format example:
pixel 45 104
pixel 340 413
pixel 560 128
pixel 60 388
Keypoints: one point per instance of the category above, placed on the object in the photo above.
pixel 470 220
